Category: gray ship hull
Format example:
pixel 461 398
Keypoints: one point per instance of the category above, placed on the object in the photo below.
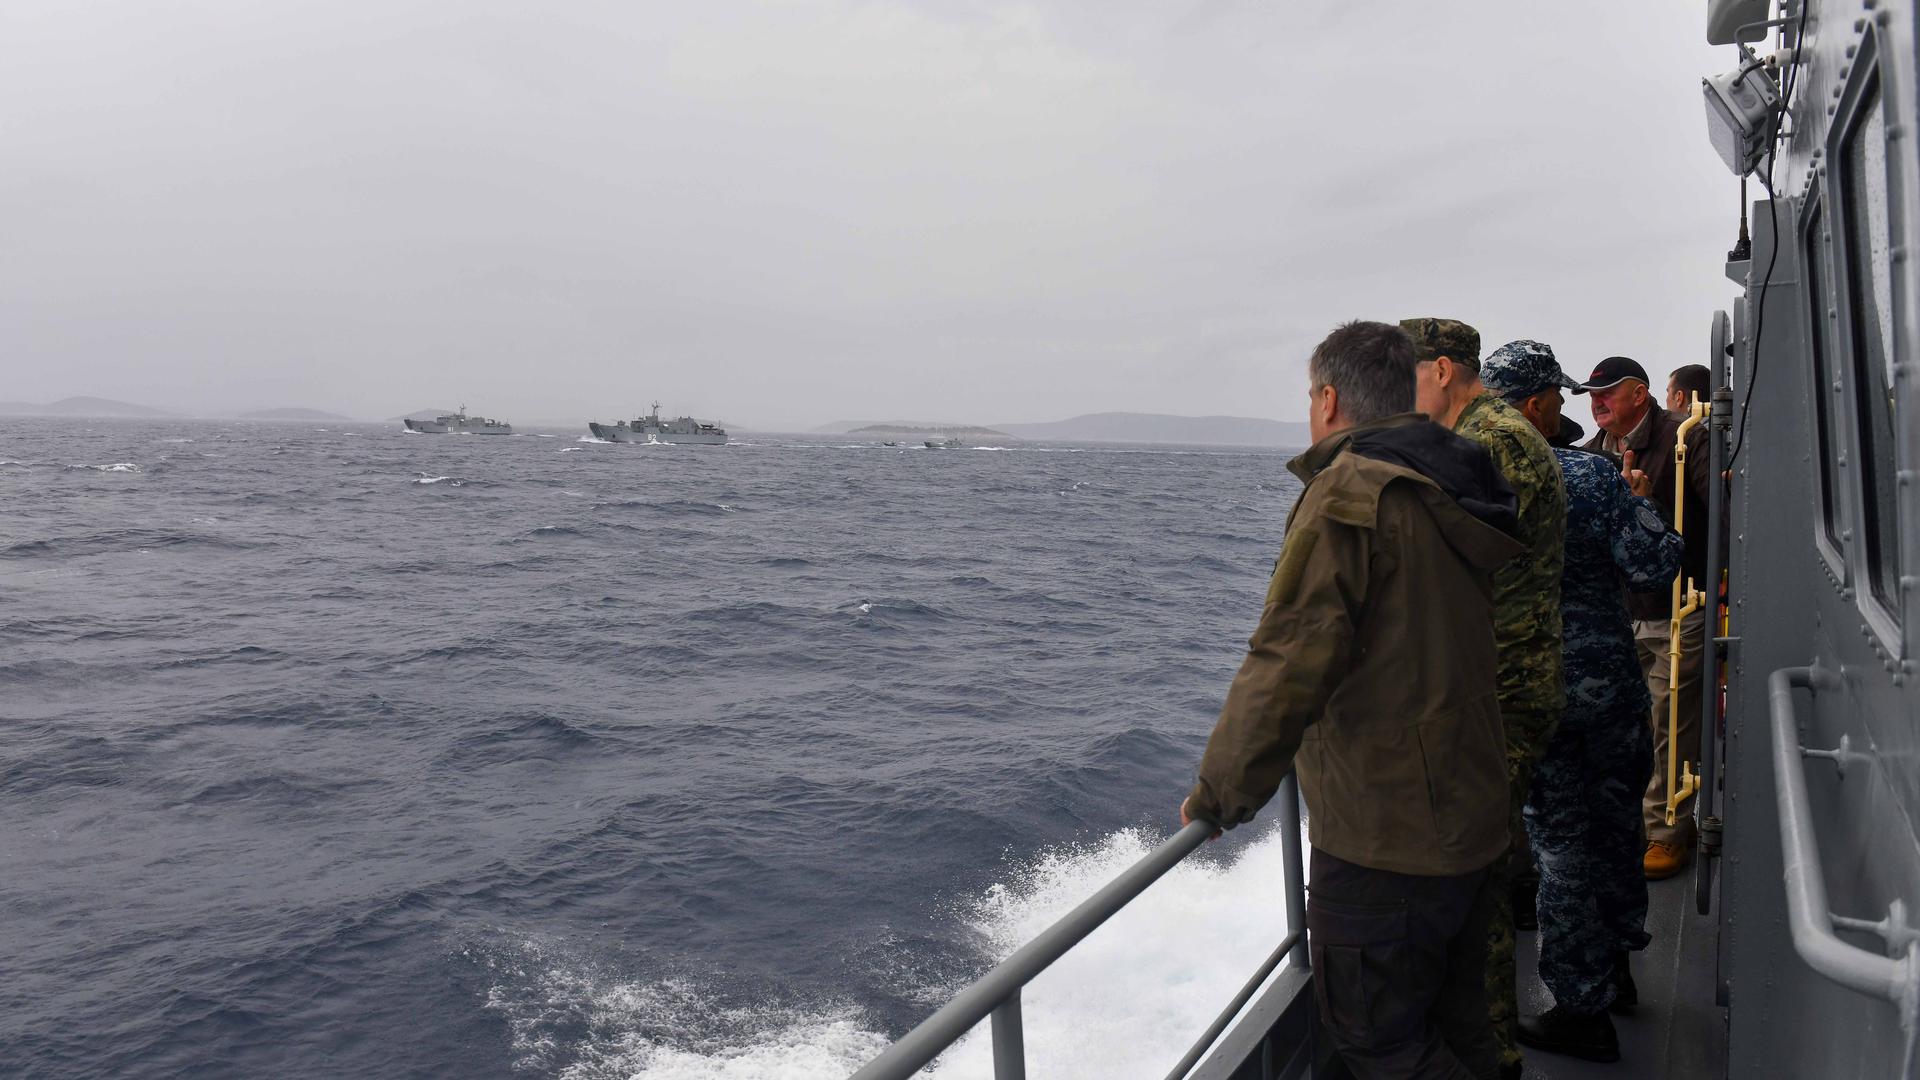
pixel 435 427
pixel 622 433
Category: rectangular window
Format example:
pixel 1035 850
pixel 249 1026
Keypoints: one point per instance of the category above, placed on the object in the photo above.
pixel 1870 283
pixel 1819 299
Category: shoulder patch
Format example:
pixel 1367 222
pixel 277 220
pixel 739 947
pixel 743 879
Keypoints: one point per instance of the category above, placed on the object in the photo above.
pixel 1292 567
pixel 1649 518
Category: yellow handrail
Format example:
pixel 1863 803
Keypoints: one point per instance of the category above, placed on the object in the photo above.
pixel 1681 780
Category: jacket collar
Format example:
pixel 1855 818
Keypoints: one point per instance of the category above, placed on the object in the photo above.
pixel 1321 454
pixel 1482 400
pixel 1641 436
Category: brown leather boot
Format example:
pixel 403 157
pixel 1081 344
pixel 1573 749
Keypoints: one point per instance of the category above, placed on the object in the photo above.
pixel 1665 858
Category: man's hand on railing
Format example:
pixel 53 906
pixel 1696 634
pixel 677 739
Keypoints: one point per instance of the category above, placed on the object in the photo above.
pixel 1186 819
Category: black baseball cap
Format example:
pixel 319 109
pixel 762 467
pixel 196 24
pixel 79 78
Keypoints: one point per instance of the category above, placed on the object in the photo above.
pixel 1611 372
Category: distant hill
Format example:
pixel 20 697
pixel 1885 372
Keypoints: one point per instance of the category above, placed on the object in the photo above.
pixel 292 414
pixel 82 406
pixel 951 431
pixel 842 427
pixel 1156 427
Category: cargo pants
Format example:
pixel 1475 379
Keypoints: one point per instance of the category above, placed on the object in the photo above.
pixel 1650 635
pixel 1583 818
pixel 1399 970
pixel 1527 736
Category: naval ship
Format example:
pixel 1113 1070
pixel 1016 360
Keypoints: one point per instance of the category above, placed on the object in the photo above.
pixel 1790 950
pixel 652 429
pixel 459 423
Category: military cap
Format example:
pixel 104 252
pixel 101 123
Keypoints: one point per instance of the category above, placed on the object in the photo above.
pixel 1521 369
pixel 1434 338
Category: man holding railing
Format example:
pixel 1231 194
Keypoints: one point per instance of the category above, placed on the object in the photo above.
pixel 1373 671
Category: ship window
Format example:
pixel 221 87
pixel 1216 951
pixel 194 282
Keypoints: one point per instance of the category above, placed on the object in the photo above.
pixel 1820 339
pixel 1870 312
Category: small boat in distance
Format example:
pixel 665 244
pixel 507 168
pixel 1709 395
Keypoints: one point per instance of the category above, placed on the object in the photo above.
pixel 945 444
pixel 459 423
pixel 652 429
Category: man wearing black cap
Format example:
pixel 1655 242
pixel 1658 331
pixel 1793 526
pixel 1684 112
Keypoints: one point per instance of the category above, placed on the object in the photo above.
pixel 1642 435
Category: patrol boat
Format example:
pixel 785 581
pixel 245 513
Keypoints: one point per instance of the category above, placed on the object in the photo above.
pixel 1790 949
pixel 459 423
pixel 652 429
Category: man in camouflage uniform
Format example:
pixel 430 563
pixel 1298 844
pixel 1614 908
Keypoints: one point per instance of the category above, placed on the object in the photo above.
pixel 1583 814
pixel 1526 625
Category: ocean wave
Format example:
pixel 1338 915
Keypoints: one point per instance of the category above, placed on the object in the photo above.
pixel 571 449
pixel 541 737
pixel 450 481
pixel 118 466
pixel 591 439
pixel 246 654
pixel 896 608
pixel 290 791
pixel 567 1018
pixel 668 506
pixel 120 540
pixel 1103 1010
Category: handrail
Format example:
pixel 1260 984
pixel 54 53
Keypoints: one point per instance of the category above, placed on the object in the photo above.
pixel 1809 917
pixel 1206 1040
pixel 1681 783
pixel 997 993
pixel 1706 814
pixel 957 1017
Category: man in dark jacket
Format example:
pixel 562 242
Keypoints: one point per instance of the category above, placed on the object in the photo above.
pixel 1642 435
pixel 1373 664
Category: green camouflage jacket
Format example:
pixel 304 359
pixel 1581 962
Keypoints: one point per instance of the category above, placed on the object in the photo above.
pixel 1526 591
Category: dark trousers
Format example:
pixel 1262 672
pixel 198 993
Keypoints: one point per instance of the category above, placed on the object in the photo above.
pixel 1400 970
pixel 1584 819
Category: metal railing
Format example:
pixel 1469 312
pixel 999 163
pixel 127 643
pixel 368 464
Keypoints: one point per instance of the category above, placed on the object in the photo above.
pixel 997 993
pixel 1809 917
pixel 1706 801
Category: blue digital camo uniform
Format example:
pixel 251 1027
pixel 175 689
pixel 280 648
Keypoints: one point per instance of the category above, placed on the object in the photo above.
pixel 1583 811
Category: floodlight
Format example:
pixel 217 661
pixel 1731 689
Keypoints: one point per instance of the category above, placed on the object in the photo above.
pixel 1741 106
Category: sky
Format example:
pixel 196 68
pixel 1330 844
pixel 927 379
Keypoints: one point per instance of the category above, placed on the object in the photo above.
pixel 780 213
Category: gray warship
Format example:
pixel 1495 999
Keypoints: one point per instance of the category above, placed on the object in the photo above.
pixel 1790 951
pixel 652 429
pixel 459 423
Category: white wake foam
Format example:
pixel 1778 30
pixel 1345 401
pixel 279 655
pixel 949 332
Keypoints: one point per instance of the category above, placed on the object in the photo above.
pixel 573 449
pixel 119 466
pixel 425 479
pixel 589 438
pixel 1126 1002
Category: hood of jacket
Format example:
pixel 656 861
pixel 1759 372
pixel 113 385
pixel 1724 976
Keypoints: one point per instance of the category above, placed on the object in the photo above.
pixel 1475 509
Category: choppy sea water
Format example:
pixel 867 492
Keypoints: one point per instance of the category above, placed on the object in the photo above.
pixel 331 750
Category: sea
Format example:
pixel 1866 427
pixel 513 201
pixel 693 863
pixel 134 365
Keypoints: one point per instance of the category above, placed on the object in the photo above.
pixel 332 750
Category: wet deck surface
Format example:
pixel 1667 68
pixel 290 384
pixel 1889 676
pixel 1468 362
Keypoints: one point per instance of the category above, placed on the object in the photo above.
pixel 1677 1030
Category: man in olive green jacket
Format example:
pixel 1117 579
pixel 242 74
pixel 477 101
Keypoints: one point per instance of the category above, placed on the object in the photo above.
pixel 1526 612
pixel 1374 663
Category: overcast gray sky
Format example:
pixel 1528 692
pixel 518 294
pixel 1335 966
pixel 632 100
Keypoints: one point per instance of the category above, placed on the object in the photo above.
pixel 785 213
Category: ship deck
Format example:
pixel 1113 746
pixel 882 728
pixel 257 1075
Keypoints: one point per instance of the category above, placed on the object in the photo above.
pixel 1677 1030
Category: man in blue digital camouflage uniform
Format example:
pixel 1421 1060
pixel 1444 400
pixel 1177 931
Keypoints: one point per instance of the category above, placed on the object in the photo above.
pixel 1583 811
